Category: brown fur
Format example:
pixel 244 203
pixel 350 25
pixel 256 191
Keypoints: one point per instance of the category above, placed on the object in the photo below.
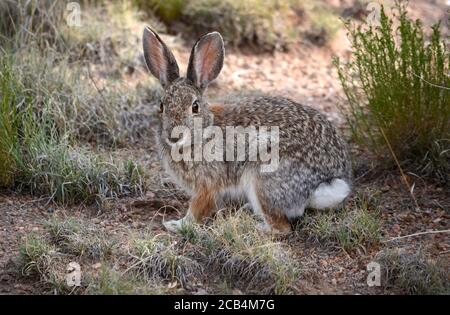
pixel 216 109
pixel 275 218
pixel 202 203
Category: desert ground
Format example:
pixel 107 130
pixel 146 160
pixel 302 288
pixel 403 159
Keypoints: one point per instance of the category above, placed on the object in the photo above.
pixel 116 235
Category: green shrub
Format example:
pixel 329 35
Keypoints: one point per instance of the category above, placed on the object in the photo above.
pixel 265 25
pixel 398 92
pixel 37 156
pixel 167 10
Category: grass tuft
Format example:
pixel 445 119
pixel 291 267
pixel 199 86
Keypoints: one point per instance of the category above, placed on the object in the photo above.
pixel 233 246
pixel 36 154
pixel 157 257
pixel 112 282
pixel 414 273
pixel 80 238
pixel 355 227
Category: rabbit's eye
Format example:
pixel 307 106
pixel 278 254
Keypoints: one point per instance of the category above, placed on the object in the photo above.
pixel 161 107
pixel 195 107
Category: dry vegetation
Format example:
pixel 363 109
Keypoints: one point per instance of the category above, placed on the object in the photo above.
pixel 81 181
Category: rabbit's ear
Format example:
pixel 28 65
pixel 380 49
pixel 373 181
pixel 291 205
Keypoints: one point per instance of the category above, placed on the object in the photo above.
pixel 159 59
pixel 206 60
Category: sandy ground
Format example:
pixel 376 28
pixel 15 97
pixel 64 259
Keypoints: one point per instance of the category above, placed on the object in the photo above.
pixel 307 75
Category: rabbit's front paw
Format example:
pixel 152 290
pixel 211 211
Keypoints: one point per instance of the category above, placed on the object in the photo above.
pixel 173 226
pixel 268 229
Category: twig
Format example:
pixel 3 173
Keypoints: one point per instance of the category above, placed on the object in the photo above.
pixel 400 168
pixel 432 84
pixel 417 234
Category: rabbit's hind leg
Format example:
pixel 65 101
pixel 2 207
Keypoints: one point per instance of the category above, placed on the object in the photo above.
pixel 274 220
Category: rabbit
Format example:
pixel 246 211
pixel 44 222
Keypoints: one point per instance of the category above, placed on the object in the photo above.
pixel 314 169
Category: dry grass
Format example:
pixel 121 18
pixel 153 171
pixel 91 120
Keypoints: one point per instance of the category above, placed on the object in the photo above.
pixel 54 106
pixel 414 273
pixel 256 262
pixel 355 227
pixel 80 238
pixel 67 240
pixel 157 257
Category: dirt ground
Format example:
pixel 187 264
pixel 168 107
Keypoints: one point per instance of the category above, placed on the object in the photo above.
pixel 307 75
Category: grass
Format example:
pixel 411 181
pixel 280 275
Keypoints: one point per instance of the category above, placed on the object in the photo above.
pixel 126 265
pixel 158 258
pixel 79 72
pixel 357 226
pixel 397 89
pixel 37 156
pixel 36 255
pixel 80 238
pixel 264 25
pixel 233 247
pixel 414 273
pixel 55 106
pixel 112 282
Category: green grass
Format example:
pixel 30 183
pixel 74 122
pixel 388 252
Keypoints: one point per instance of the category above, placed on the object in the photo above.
pixel 37 156
pixel 157 257
pixel 357 226
pixel 414 273
pixel 80 238
pixel 233 247
pixel 129 264
pixel 112 282
pixel 397 88
pixel 36 255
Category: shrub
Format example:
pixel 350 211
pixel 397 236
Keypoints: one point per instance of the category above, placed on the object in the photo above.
pixel 265 25
pixel 36 155
pixel 398 93
pixel 414 273
pixel 167 10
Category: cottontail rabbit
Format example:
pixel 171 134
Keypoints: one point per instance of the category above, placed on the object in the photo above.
pixel 314 167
